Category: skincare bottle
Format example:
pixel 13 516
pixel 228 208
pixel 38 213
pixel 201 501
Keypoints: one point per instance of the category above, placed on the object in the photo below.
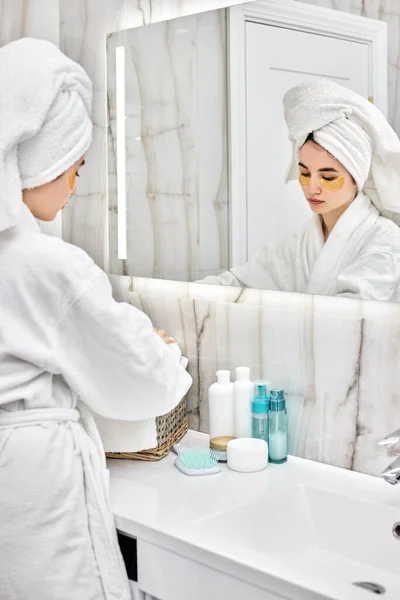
pixel 260 407
pixel 278 435
pixel 220 406
pixel 243 394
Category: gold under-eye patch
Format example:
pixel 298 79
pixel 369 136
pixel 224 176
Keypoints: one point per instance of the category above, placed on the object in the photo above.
pixel 72 178
pixel 332 185
pixel 304 179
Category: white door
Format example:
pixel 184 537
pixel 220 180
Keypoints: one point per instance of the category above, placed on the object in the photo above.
pixel 276 60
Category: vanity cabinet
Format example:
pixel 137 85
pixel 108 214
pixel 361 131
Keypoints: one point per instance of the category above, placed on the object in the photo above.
pixel 164 575
pixel 169 576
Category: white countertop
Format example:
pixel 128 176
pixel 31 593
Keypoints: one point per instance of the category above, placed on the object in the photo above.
pixel 157 503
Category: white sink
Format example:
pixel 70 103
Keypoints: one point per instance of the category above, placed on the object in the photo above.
pixel 298 531
pixel 337 538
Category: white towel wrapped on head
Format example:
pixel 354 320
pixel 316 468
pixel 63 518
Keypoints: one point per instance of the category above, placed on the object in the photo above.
pixel 353 130
pixel 44 116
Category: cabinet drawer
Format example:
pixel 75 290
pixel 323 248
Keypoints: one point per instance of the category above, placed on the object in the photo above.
pixel 169 576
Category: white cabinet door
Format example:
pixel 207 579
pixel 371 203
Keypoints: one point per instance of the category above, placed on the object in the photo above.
pixel 276 60
pixel 168 575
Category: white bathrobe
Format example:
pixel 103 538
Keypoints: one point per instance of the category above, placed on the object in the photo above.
pixel 62 336
pixel 360 259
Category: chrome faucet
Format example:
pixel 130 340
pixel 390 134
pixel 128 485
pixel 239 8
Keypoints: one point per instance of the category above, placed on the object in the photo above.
pixel 392 473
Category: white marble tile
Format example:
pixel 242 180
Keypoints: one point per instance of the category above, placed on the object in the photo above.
pixel 84 25
pixel 334 360
pixel 337 359
pixel 379 393
pixel 177 189
pixel 327 363
pixel 384 10
pixel 37 19
pixel 350 6
pixel 385 312
pixel 326 354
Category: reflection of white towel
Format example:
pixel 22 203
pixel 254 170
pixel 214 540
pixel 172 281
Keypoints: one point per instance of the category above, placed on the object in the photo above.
pixel 127 436
pixel 134 436
pixel 45 105
pixel 353 130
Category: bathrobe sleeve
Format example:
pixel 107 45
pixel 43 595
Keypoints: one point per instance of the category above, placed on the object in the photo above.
pixel 274 267
pixel 372 276
pixel 226 278
pixel 109 354
pixel 260 272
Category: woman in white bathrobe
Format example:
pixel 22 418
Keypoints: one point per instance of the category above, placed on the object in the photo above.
pixel 345 153
pixel 62 337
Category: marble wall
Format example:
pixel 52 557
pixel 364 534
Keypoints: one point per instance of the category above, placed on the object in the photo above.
pixel 383 10
pixel 19 18
pixel 338 359
pixel 84 25
pixel 176 110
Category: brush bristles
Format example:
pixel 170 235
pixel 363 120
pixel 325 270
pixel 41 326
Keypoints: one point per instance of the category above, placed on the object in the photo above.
pixel 198 458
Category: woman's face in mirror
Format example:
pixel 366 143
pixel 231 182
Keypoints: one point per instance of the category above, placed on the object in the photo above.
pixel 326 184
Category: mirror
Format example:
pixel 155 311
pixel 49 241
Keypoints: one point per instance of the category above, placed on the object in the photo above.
pixel 168 83
pixel 198 153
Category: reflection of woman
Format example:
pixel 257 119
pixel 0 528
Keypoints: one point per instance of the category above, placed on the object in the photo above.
pixel 347 159
pixel 61 336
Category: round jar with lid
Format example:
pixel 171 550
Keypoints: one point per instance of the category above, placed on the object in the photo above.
pixel 219 445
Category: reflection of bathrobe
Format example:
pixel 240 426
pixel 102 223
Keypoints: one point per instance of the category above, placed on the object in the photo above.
pixel 360 259
pixel 62 335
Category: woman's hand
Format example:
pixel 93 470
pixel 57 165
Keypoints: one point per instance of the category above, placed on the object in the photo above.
pixel 164 336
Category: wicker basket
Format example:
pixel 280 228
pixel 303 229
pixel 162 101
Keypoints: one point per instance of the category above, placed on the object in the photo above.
pixel 170 429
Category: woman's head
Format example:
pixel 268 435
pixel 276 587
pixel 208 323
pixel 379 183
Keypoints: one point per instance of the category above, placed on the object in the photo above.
pixel 46 200
pixel 353 130
pixel 326 183
pixel 46 128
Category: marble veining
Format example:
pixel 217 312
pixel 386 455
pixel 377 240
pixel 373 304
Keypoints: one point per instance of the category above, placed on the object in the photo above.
pixel 338 359
pixel 384 10
pixel 177 191
pixel 179 237
pixel 21 19
pixel 84 25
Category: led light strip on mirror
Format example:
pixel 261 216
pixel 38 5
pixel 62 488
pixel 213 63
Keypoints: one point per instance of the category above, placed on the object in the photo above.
pixel 121 172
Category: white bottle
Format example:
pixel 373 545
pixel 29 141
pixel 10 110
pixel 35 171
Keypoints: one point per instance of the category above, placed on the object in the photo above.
pixel 220 406
pixel 243 395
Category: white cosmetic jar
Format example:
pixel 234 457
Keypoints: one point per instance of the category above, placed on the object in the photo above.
pixel 247 455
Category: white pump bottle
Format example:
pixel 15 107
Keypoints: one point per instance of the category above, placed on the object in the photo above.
pixel 220 406
pixel 243 395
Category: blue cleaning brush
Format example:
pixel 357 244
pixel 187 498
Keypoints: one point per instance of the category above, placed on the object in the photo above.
pixel 196 461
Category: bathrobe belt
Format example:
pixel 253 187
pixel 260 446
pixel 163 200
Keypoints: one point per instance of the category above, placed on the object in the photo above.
pixel 89 447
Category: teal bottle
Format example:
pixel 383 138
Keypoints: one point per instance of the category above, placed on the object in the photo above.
pixel 260 408
pixel 277 427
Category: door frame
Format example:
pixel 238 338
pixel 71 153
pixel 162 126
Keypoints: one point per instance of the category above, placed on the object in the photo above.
pixel 289 14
